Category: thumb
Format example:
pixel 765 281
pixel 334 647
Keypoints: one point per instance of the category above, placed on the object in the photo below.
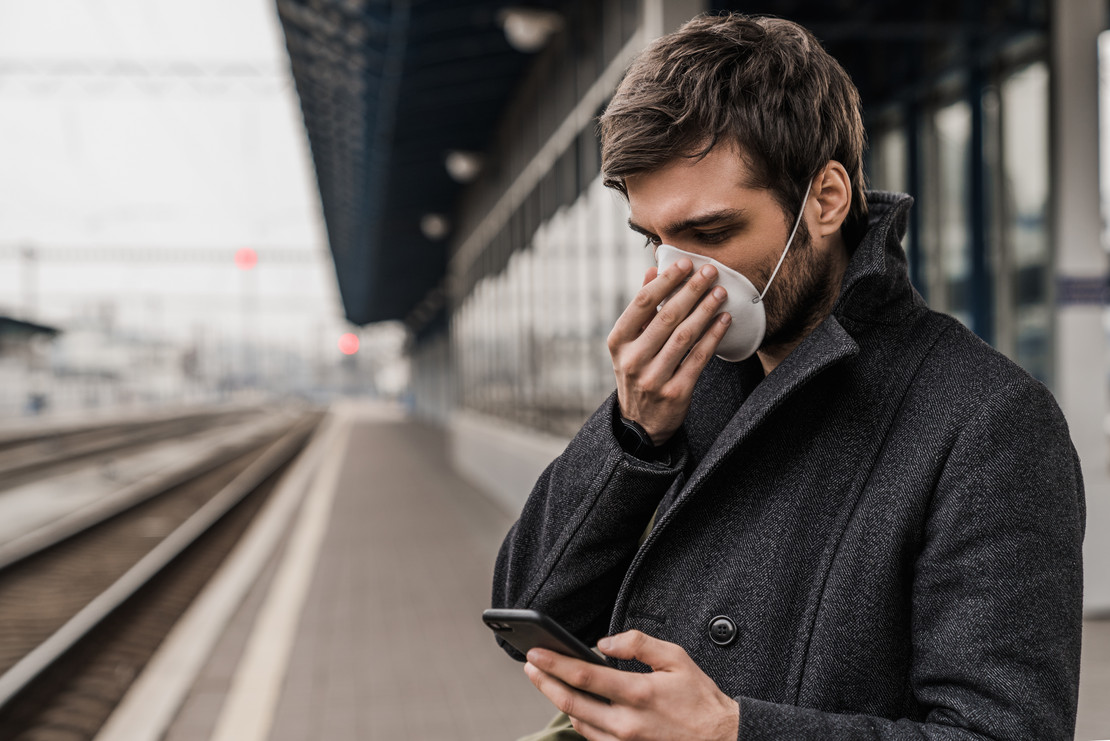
pixel 632 644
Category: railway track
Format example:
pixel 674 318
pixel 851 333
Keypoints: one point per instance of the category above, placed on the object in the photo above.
pixel 27 456
pixel 80 616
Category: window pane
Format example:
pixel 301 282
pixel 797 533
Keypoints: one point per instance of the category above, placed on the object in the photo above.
pixel 953 133
pixel 1024 100
pixel 889 161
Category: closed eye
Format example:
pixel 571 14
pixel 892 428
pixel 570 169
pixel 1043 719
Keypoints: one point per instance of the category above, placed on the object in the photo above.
pixel 716 237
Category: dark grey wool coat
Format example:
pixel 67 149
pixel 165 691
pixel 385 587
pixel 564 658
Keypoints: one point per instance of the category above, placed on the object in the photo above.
pixel 892 519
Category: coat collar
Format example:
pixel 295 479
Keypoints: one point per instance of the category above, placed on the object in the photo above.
pixel 876 288
pixel 826 346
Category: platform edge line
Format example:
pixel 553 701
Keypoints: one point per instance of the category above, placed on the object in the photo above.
pixel 248 711
pixel 157 694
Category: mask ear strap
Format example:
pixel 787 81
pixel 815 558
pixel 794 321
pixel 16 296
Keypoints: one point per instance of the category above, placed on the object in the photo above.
pixel 790 241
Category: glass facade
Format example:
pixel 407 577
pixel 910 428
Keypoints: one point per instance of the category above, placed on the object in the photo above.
pixel 1004 206
pixel 1025 259
pixel 537 294
pixel 949 238
pixel 529 340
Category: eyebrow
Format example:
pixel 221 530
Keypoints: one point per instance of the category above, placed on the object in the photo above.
pixel 695 222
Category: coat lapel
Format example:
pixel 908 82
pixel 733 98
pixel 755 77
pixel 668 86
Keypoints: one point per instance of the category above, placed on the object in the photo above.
pixel 827 345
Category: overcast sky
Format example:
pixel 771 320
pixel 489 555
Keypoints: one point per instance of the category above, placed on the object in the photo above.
pixel 162 126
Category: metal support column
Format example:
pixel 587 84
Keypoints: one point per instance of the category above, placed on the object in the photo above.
pixel 914 186
pixel 980 288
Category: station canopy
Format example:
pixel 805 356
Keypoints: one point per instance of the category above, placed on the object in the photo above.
pixel 21 329
pixel 390 88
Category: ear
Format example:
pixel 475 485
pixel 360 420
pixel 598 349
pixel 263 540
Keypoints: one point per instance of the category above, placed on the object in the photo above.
pixel 832 189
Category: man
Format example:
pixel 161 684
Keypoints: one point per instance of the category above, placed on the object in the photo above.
pixel 871 528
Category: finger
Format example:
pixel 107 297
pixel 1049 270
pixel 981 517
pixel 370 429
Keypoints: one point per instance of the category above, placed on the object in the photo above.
pixel 651 274
pixel 565 698
pixel 632 644
pixel 699 355
pixel 642 309
pixel 604 681
pixel 679 306
pixel 692 330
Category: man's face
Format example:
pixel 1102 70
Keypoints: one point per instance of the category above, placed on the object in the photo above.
pixel 706 207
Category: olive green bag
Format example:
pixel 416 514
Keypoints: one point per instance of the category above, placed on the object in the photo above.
pixel 559 729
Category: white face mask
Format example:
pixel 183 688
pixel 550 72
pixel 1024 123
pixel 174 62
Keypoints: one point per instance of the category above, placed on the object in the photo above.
pixel 744 302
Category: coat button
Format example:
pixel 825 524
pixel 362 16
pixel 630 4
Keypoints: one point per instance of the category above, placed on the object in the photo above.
pixel 722 630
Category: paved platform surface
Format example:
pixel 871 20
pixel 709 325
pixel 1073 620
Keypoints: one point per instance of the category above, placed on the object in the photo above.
pixel 392 645
pixel 388 641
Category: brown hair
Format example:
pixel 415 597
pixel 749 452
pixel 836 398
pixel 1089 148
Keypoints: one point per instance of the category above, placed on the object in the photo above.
pixel 764 84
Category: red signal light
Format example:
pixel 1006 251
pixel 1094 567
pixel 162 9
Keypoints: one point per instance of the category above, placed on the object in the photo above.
pixel 348 344
pixel 246 258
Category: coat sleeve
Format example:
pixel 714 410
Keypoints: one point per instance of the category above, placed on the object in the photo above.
pixel 997 591
pixel 567 554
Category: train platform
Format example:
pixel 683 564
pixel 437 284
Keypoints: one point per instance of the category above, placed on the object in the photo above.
pixel 351 611
pixel 358 618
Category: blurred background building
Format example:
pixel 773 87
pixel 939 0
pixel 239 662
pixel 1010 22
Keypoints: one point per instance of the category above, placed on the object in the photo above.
pixel 457 161
pixel 158 212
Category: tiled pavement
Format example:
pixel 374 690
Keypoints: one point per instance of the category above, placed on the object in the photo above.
pixel 390 644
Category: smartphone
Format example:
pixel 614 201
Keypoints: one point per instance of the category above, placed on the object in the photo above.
pixel 527 629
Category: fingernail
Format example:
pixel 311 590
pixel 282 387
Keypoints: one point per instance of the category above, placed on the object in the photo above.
pixel 684 264
pixel 604 643
pixel 726 319
pixel 719 293
pixel 708 271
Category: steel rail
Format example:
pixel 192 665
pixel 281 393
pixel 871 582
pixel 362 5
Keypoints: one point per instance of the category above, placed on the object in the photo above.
pixel 20 676
pixel 129 496
pixel 81 444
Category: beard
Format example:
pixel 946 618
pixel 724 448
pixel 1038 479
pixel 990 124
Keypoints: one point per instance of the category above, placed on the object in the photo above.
pixel 802 294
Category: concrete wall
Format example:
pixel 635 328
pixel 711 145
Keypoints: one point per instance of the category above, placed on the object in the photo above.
pixel 501 458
